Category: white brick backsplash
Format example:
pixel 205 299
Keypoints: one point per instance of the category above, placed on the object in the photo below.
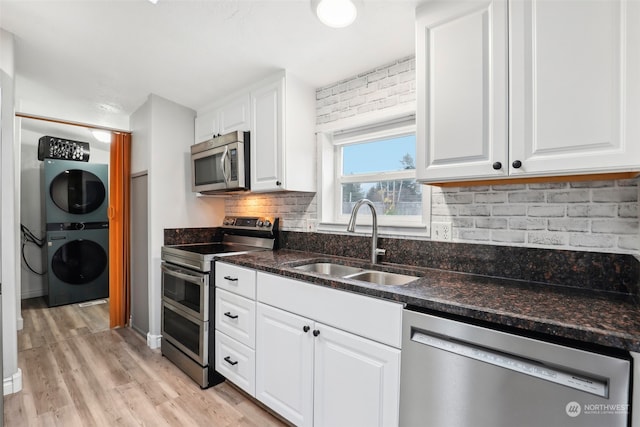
pixel 621 195
pixel 586 215
pixel 583 240
pixel 496 223
pixel 509 210
pixel 592 211
pixel 474 210
pixel 619 226
pixel 490 197
pixel 568 224
pixel 527 223
pixel 526 197
pixel 547 238
pixel 546 211
pixel 508 236
pixel 574 196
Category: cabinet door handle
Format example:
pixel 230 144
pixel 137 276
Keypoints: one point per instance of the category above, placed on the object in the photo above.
pixel 231 316
pixel 229 361
pixel 516 164
pixel 278 183
pixel 231 279
pixel 497 166
pixel 316 332
pixel 306 328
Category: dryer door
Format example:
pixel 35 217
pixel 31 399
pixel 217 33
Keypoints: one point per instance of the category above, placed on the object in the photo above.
pixel 77 191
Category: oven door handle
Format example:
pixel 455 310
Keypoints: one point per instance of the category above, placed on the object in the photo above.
pixel 223 165
pixel 199 279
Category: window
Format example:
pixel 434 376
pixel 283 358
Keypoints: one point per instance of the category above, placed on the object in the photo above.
pixel 376 162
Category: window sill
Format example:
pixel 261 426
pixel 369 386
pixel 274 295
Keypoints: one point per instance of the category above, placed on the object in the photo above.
pixel 408 230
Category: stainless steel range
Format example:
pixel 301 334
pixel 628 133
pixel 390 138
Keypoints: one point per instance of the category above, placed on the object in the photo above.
pixel 188 293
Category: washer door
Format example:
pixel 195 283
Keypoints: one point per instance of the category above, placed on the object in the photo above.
pixel 79 262
pixel 77 191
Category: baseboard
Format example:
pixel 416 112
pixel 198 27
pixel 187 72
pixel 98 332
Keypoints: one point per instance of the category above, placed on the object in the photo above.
pixel 12 384
pixel 32 293
pixel 153 341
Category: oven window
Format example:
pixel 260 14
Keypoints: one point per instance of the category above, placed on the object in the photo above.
pixel 183 292
pixel 208 170
pixel 182 330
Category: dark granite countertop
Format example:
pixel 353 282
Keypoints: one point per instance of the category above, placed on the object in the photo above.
pixel 591 317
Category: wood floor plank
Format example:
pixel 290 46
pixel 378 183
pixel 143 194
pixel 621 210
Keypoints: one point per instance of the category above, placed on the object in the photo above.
pixel 78 372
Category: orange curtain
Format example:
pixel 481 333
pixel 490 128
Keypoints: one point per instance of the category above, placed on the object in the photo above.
pixel 119 229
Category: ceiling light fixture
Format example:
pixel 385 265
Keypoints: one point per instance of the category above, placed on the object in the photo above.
pixel 336 13
pixel 153 1
pixel 102 135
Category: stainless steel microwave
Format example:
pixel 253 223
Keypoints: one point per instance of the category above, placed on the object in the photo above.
pixel 221 164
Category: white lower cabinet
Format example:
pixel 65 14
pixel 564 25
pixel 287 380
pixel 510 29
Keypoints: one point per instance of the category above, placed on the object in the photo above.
pixel 284 368
pixel 318 375
pixel 236 362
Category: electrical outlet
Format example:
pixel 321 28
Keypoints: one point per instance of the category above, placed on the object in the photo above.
pixel 441 231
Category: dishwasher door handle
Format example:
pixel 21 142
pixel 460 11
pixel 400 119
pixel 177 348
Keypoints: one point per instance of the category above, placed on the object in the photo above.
pixel 514 363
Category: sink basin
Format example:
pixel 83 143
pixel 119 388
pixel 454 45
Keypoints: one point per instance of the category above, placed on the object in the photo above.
pixel 329 268
pixel 348 272
pixel 382 277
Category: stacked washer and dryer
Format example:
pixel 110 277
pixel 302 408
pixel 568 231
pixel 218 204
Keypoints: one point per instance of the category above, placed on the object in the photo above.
pixel 75 201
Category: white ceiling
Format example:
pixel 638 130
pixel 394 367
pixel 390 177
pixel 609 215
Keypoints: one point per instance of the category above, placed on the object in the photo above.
pixel 98 60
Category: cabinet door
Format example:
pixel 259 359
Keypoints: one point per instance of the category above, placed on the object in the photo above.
pixel 357 381
pixel 206 125
pixel 234 115
pixel 266 137
pixel 575 86
pixel 461 71
pixel 284 364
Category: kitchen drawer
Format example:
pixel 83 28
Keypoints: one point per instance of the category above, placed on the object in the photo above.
pixel 236 362
pixel 373 318
pixel 236 317
pixel 239 280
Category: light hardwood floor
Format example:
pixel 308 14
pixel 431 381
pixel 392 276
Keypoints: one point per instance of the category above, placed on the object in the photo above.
pixel 77 372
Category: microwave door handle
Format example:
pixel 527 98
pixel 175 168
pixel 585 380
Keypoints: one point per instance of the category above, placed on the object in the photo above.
pixel 223 165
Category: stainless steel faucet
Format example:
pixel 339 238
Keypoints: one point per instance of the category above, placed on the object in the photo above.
pixel 375 251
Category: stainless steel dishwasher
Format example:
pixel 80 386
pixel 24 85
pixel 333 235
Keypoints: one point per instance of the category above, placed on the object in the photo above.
pixel 456 374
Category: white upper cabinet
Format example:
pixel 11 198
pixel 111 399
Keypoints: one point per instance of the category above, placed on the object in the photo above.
pixel 229 116
pixel 206 125
pixel 575 86
pixel 461 82
pixel 234 115
pixel 527 88
pixel 282 135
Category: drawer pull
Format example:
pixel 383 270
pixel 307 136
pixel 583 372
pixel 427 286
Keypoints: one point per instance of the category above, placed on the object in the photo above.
pixel 231 316
pixel 231 279
pixel 229 361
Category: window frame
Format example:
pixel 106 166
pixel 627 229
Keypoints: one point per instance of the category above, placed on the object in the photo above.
pixel 330 143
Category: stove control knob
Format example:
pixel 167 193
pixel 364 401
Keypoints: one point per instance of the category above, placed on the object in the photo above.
pixel 267 223
pixel 259 223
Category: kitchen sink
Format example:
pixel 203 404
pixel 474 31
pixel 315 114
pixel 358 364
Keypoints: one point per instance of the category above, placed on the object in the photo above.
pixel 356 273
pixel 382 277
pixel 329 268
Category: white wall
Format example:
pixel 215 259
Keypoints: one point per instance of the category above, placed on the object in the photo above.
pixel 9 212
pixel 166 129
pixel 31 210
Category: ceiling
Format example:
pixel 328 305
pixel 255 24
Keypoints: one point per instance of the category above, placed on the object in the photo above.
pixel 96 61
